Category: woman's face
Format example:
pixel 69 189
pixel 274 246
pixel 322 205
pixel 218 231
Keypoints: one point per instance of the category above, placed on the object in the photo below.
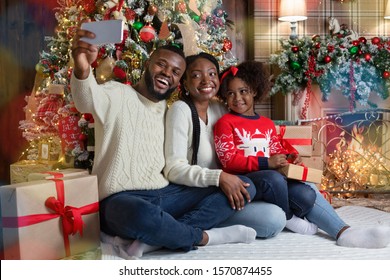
pixel 240 97
pixel 202 81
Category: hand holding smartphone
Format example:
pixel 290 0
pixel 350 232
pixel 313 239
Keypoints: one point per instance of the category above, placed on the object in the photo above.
pixel 106 31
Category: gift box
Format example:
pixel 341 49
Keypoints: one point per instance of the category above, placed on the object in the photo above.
pixel 315 162
pixel 19 170
pixel 302 173
pixel 298 136
pixel 50 219
pixel 69 172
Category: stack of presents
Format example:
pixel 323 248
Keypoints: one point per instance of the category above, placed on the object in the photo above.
pixel 54 214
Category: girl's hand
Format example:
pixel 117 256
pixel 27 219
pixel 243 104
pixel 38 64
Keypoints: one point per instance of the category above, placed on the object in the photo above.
pixel 277 161
pixel 234 189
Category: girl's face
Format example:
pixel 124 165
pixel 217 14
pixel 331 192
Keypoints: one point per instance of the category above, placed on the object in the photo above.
pixel 202 80
pixel 240 98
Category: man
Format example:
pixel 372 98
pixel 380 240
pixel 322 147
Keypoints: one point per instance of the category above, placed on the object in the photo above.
pixel 136 201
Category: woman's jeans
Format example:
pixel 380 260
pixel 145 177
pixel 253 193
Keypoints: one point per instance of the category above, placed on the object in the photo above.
pixel 266 218
pixel 173 217
pixel 293 196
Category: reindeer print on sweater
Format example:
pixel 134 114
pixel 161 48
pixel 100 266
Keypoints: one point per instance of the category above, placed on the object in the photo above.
pixel 245 142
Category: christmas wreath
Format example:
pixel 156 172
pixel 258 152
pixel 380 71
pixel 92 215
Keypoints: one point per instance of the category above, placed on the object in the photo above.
pixel 356 67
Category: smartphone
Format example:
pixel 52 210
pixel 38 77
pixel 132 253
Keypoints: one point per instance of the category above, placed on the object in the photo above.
pixel 106 31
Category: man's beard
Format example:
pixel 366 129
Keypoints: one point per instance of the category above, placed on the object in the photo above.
pixel 149 83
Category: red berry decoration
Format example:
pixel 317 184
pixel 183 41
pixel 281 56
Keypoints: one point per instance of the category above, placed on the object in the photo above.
pixel 327 59
pixel 386 74
pixel 330 48
pixel 295 49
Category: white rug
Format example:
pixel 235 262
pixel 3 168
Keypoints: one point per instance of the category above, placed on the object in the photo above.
pixel 285 246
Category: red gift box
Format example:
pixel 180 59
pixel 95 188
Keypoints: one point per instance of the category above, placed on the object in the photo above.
pixel 50 219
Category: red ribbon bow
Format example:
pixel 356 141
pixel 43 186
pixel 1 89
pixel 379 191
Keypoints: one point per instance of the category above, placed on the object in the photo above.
pixel 71 217
pixel 233 70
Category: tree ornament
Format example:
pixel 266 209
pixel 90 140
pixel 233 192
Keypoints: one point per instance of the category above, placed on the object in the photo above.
pixel 316 37
pixel 295 49
pixel 295 65
pixel 147 33
pixel 356 42
pixel 327 59
pixel 363 40
pixel 137 25
pixel 152 9
pixel 386 74
pixel 89 6
pixel 194 17
pixel 119 73
pixel 227 45
pixel 317 45
pixel 181 7
pixel 353 50
pixel 375 40
pixel 367 56
pixel 330 48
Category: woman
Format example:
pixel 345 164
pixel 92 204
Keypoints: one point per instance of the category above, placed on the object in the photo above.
pixel 189 146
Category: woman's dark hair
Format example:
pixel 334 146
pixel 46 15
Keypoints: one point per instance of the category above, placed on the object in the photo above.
pixel 253 73
pixel 187 99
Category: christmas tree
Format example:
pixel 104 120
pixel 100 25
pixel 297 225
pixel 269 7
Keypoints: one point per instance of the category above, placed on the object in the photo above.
pixel 53 127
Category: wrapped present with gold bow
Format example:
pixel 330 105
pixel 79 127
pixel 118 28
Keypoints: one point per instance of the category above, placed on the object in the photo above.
pixel 297 137
pixel 68 172
pixel 302 173
pixel 50 219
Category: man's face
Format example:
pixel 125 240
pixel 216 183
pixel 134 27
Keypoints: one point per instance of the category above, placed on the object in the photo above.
pixel 163 73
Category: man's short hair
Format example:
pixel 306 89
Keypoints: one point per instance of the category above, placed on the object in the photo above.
pixel 171 48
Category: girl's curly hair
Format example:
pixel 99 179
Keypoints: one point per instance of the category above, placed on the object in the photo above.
pixel 253 73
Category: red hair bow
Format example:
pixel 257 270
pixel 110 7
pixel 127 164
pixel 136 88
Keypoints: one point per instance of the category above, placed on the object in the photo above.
pixel 232 69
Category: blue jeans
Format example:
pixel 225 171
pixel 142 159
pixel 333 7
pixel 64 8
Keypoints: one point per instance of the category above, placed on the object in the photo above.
pixel 293 196
pixel 173 217
pixel 266 218
pixel 324 216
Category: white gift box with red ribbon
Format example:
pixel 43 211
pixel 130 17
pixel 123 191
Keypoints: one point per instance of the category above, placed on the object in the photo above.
pixel 302 173
pixel 298 136
pixel 69 172
pixel 50 219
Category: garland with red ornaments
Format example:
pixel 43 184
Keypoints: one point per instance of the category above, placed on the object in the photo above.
pixel 356 68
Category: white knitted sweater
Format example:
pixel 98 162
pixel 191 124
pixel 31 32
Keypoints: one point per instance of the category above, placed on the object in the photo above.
pixel 178 146
pixel 129 135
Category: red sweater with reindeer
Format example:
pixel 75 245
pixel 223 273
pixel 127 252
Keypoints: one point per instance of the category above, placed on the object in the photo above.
pixel 244 143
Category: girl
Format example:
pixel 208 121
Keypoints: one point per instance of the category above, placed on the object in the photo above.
pixel 245 143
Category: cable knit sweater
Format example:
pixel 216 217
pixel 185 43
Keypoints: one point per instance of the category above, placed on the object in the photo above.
pixel 178 146
pixel 129 135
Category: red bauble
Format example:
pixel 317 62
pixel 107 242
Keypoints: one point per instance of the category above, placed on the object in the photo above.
pixel 119 73
pixel 327 59
pixel 295 49
pixel 367 56
pixel 375 40
pixel 227 45
pixel 386 74
pixel 363 40
pixel 355 43
pixel 147 34
pixel 152 9
pixel 317 45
